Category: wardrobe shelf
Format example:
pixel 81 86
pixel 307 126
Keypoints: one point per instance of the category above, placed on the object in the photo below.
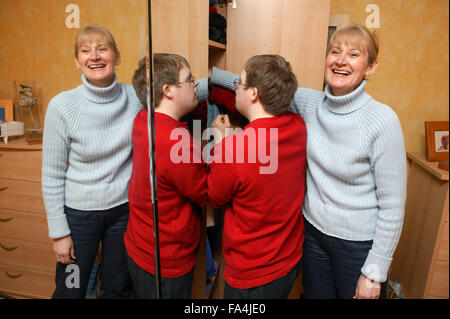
pixel 216 45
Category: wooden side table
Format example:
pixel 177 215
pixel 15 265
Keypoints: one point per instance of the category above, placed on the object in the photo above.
pixel 421 259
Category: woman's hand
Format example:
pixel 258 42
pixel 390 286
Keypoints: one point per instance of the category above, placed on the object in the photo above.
pixel 63 248
pixel 367 289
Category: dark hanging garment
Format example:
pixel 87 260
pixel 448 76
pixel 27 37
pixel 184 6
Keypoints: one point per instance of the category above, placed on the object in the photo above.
pixel 217 26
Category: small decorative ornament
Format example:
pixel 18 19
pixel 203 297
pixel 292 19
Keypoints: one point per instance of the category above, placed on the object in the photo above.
pixel 30 111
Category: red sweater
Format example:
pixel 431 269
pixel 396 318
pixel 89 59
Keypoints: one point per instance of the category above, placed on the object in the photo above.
pixel 263 231
pixel 177 185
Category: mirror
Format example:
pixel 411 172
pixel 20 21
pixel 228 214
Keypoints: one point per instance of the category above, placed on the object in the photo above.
pixel 38 45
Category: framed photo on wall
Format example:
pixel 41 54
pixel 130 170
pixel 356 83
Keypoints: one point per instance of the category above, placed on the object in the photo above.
pixel 437 140
pixel 6 110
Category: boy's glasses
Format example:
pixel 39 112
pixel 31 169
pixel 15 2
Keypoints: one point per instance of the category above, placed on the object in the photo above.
pixel 192 82
pixel 237 83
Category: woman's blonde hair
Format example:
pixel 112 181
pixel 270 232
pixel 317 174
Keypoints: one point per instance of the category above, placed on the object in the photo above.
pixel 95 30
pixel 359 37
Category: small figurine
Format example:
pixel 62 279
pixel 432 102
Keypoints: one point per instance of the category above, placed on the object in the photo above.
pixel 27 99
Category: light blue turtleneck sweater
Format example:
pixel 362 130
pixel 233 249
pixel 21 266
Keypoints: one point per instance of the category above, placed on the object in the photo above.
pixel 356 177
pixel 86 151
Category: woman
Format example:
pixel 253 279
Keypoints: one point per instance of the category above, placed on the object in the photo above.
pixel 356 176
pixel 86 167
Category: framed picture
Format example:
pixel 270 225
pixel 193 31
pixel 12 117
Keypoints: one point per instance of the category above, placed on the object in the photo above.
pixel 6 110
pixel 437 139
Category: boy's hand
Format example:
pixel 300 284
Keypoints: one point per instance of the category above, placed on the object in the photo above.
pixel 221 122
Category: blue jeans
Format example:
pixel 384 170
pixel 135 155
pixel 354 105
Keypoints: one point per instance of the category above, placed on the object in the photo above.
pixel 210 264
pixel 88 229
pixel 277 289
pixel 171 288
pixel 332 266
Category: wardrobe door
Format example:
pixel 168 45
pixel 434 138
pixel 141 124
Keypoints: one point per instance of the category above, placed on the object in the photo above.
pixel 294 29
pixel 181 27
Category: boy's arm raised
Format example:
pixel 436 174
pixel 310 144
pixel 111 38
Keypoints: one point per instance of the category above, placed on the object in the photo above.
pixel 202 90
pixel 223 79
pixel 300 104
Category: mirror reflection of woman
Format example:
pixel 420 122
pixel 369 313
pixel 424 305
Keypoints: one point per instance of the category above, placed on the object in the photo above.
pixel 356 176
pixel 86 167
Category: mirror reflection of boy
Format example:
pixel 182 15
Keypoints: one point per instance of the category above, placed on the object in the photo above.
pixel 179 185
pixel 263 229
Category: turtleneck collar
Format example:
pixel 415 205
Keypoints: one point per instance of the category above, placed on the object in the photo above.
pixel 347 103
pixel 100 95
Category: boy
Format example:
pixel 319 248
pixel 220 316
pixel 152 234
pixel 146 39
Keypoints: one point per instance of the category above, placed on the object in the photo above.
pixel 263 228
pixel 178 183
